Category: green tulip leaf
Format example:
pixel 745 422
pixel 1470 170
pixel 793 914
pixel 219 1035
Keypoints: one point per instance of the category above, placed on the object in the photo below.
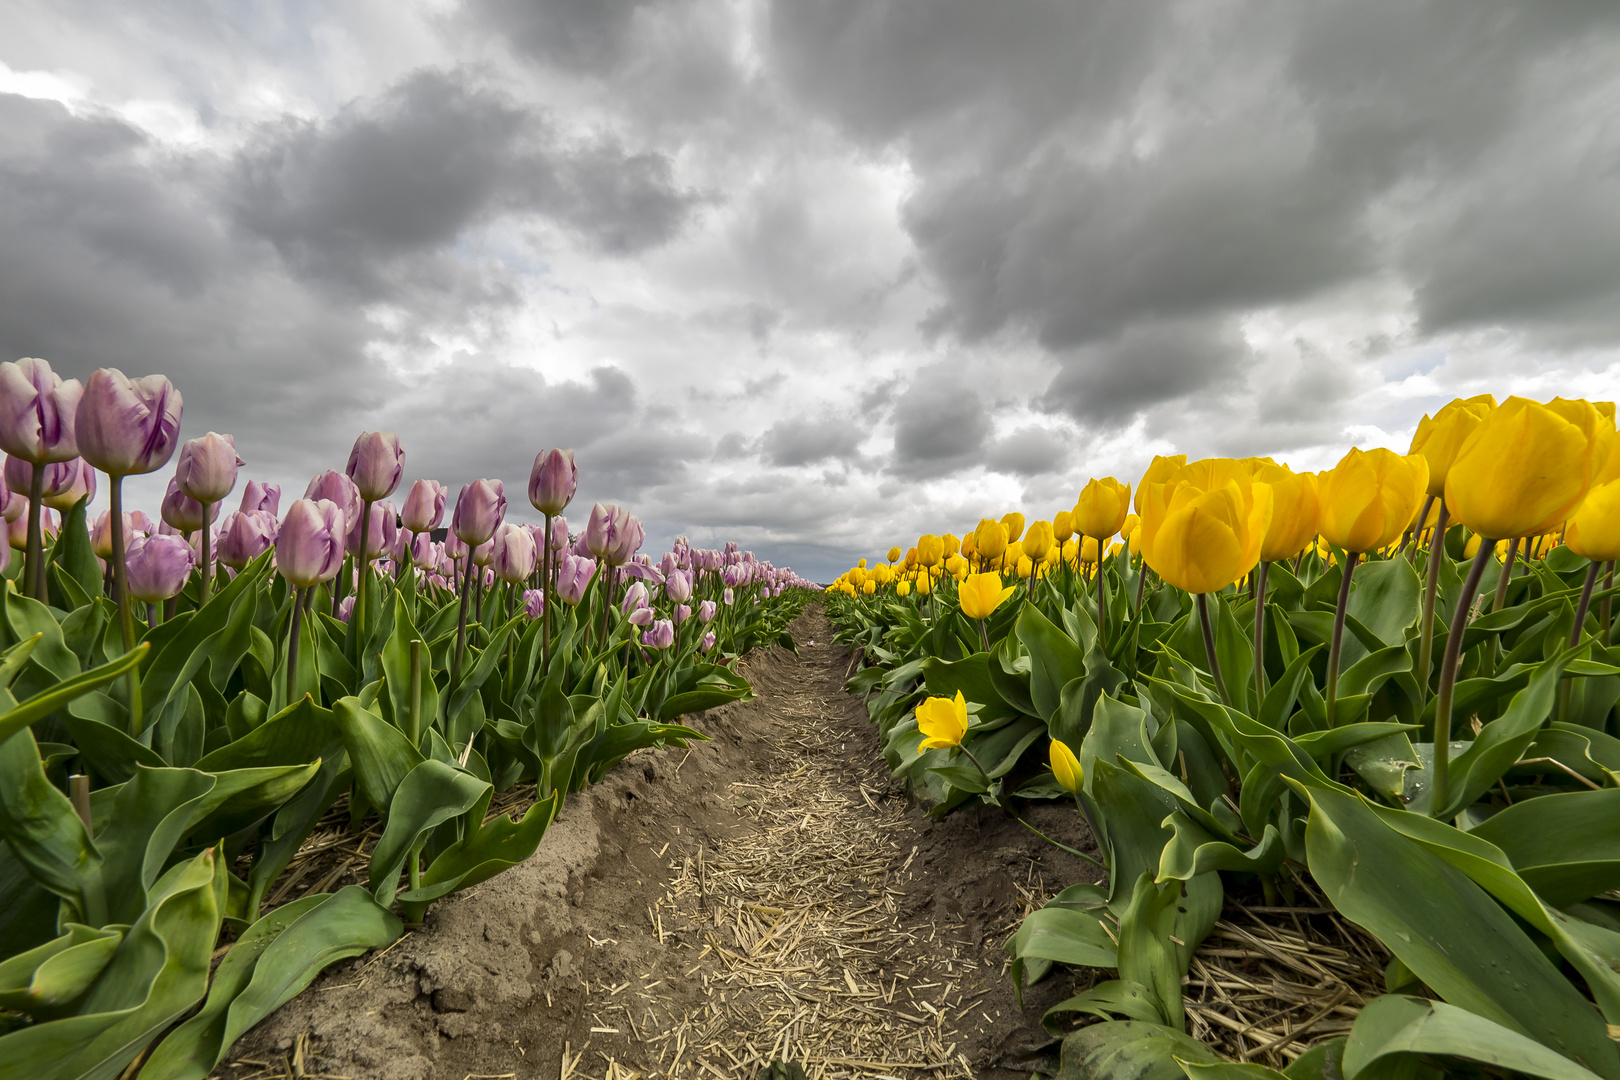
pixel 1397 1024
pixel 381 755
pixel 428 796
pixel 1565 846
pixel 1130 1050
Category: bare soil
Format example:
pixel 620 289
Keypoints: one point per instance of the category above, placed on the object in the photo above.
pixel 769 894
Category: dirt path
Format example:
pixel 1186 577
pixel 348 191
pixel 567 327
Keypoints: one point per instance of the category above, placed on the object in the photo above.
pixel 768 894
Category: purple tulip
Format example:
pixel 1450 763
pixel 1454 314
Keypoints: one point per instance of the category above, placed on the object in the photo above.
pixel 259 496
pixel 135 524
pixel 181 510
pixel 346 608
pixel 424 506
pixel 559 534
pixel 573 578
pixel 480 507
pixel 708 641
pixel 642 616
pixel 16 505
pixel 628 541
pixel 383 527
pixel 660 635
pixel 38 411
pixel 243 537
pixel 157 567
pixel 534 602
pixel 678 586
pixel 728 596
pixel 337 489
pixel 207 467
pixel 309 549
pixel 59 477
pixel 707 611
pixel 484 553
pixel 634 597
pixel 515 555
pixel 17 530
pixel 454 548
pixel 682 613
pixel 601 529
pixel 552 481
pixel 423 554
pixel 125 426
pixel 375 464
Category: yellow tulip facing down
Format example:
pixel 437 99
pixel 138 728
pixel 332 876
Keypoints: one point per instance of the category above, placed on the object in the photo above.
pixel 943 721
pixel 894 554
pixel 1013 522
pixel 989 541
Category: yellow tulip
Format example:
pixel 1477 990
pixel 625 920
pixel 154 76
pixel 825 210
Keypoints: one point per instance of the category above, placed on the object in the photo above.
pixel 981 594
pixel 902 589
pixel 1102 507
pixel 1014 523
pixel 1088 549
pixel 1158 472
pixel 1039 540
pixel 1063 525
pixel 943 721
pixel 1294 512
pixel 969 545
pixel 1368 498
pixel 955 565
pixel 869 588
pixel 1211 473
pixel 1203 541
pixel 1594 528
pixel 930 550
pixel 1129 527
pixel 1025 566
pixel 952 544
pixel 990 539
pixel 1014 552
pixel 1071 550
pixel 1438 438
pixel 1526 467
pixel 925 584
pixel 894 554
pixel 1066 767
pixel 861 564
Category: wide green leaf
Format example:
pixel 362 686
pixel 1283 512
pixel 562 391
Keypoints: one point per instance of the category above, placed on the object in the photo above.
pixel 1398 1024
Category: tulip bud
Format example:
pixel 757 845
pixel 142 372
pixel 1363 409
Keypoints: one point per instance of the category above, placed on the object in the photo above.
pixel 180 510
pixel 515 555
pixel 206 470
pixel 424 506
pixel 454 549
pixel 1368 498
pixel 157 567
pixel 678 586
pixel 345 608
pixel 83 486
pixel 682 613
pixel 243 537
pixel 125 426
pixel 1160 470
pixel 1013 522
pixel 552 481
pixel 309 549
pixel 375 464
pixel 930 550
pixel 383 527
pixel 1038 540
pixel 1295 512
pixel 38 410
pixel 660 635
pixel 573 578
pixel 259 496
pixel 1526 467
pixel 1594 528
pixel 480 507
pixel 1062 525
pixel 534 603
pixel 1102 507
pixel 1065 767
pixel 1439 438
pixel 990 539
pixel 707 610
pixel 559 534
pixel 484 553
pixel 422 552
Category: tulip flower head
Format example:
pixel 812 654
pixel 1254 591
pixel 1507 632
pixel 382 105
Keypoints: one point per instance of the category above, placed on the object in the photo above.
pixel 1202 541
pixel 126 427
pixel 1438 438
pixel 1295 512
pixel 1369 497
pixel 382 529
pixel 1013 522
pixel 58 478
pixel 135 524
pixel 1066 767
pixel 206 469
pixel 480 507
pixel 82 486
pixel 1526 467
pixel 707 644
pixel 243 537
pixel 258 496
pixel 1101 508
pixel 309 548
pixel 943 721
pixel 573 578
pixel 157 567
pixel 1159 470
pixel 990 540
pixel 337 489
pixel 707 610
pixel 1062 525
pixel 375 464
pixel 424 506
pixel 1039 540
pixel 534 603
pixel 38 411
pixel 552 481
pixel 484 554
pixel 180 510
pixel 515 553
pixel 678 586
pixel 981 594
pixel 1594 528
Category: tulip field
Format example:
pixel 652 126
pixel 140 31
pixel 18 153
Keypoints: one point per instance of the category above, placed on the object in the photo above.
pixel 1381 698
pixel 184 697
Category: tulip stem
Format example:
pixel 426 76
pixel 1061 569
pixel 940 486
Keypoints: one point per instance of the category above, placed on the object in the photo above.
pixel 1261 572
pixel 1334 649
pixel 1437 550
pixel 1605 627
pixel 1506 575
pixel 984 636
pixel 1585 604
pixel 548 595
pixel 1415 534
pixel 461 622
pixel 413 723
pixel 126 617
pixel 1065 847
pixel 1141 580
pixel 1448 676
pixel 33 565
pixel 1209 648
pixel 358 615
pixel 292 644
pixel 1102 601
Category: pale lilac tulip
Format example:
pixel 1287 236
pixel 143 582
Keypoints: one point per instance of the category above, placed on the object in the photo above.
pixel 708 641
pixel 206 469
pixel 384 525
pixel 309 549
pixel 573 578
pixel 480 507
pixel 678 586
pixel 337 489
pixel 135 524
pixel 181 510
pixel 634 597
pixel 157 567
pixel 728 596
pixel 58 478
pixel 243 537
pixel 260 496
pixel 424 506
pixel 559 534
pixel 515 555
pixel 660 635
pixel 707 611
pixel 38 411
pixel 376 464
pixel 422 553
pixel 454 548
pixel 552 481
pixel 17 531
pixel 16 506
pixel 534 602
pixel 125 426
pixel 346 608
pixel 602 529
pixel 682 613
pixel 631 535
pixel 642 616
pixel 484 553
pixel 82 487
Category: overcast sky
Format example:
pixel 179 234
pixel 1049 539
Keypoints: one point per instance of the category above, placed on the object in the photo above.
pixel 816 274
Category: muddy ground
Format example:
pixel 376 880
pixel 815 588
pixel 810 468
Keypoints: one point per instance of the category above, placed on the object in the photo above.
pixel 767 894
